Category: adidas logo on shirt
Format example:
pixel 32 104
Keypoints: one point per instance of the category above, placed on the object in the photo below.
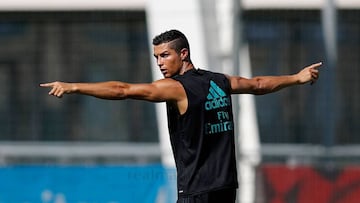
pixel 217 98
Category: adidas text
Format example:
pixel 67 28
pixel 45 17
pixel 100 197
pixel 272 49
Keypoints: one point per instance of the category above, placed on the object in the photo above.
pixel 217 103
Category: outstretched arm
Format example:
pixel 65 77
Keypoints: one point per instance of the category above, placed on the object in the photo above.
pixel 158 91
pixel 267 84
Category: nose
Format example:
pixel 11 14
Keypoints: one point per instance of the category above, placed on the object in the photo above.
pixel 159 61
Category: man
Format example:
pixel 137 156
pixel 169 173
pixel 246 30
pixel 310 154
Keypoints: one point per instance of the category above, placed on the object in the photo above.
pixel 200 118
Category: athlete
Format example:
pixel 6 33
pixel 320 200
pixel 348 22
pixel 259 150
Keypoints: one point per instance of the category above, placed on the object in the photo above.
pixel 200 117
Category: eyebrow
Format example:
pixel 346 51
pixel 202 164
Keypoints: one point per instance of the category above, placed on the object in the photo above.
pixel 164 52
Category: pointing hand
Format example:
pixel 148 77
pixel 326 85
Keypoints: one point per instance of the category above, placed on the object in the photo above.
pixel 309 73
pixel 58 89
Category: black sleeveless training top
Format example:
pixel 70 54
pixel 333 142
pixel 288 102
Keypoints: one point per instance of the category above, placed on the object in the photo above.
pixel 202 138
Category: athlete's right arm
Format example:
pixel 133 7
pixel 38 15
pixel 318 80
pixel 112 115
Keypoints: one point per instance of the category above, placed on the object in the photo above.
pixel 158 91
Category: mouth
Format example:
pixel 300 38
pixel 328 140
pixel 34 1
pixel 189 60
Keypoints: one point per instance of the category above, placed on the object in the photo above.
pixel 164 71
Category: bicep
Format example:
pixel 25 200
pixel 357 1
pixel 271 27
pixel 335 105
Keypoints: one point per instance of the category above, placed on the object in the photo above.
pixel 158 91
pixel 241 85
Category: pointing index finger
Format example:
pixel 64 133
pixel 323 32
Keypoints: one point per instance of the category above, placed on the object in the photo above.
pixel 317 65
pixel 46 84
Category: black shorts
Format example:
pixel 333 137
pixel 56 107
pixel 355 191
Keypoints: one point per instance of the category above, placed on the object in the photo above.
pixel 219 196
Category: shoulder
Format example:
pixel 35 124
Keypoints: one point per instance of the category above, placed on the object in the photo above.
pixel 198 73
pixel 212 74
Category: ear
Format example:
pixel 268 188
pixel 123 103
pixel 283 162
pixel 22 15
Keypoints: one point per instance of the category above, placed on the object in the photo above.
pixel 184 54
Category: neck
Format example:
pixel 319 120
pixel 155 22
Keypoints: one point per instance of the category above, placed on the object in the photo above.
pixel 186 66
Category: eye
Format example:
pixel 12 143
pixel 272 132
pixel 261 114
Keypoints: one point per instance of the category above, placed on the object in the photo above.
pixel 164 55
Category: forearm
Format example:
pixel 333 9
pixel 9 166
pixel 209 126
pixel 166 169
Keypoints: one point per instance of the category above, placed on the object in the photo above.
pixel 269 84
pixel 103 90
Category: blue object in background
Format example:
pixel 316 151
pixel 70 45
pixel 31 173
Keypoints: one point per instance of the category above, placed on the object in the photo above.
pixel 87 184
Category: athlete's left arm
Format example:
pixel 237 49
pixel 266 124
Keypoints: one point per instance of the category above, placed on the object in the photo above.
pixel 267 84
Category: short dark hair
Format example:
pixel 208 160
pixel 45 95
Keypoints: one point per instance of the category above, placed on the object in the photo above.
pixel 178 39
